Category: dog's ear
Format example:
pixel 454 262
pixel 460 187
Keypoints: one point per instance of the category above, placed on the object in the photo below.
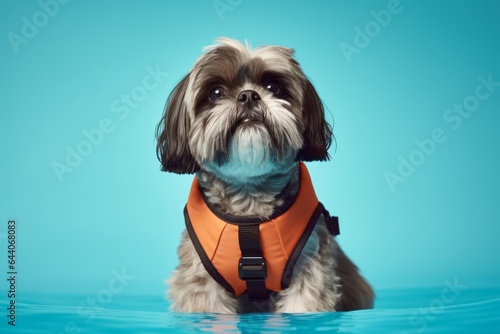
pixel 172 134
pixel 317 132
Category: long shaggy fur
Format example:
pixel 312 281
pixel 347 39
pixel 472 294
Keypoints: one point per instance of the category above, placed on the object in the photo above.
pixel 245 153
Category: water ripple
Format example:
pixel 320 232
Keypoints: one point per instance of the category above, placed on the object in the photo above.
pixel 478 312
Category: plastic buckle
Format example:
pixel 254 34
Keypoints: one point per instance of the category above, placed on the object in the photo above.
pixel 252 268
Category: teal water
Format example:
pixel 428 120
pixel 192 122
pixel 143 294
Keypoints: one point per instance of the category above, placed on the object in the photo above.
pixel 435 310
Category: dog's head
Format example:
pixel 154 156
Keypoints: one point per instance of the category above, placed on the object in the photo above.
pixel 242 111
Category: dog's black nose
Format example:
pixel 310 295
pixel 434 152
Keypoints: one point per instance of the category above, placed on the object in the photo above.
pixel 248 97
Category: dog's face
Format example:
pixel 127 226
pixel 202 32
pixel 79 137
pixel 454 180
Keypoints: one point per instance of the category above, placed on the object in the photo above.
pixel 242 113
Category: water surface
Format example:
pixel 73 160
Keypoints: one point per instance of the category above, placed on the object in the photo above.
pixel 432 310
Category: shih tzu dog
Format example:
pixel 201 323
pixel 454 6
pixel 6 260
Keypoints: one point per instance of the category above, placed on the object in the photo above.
pixel 257 238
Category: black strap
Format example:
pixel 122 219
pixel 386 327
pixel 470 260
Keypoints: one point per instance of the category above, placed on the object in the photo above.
pixel 249 240
pixel 332 222
pixel 252 265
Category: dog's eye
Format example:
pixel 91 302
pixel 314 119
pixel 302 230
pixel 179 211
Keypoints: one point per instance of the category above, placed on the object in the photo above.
pixel 273 87
pixel 216 93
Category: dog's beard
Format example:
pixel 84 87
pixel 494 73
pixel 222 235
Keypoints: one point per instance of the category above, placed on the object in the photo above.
pixel 234 140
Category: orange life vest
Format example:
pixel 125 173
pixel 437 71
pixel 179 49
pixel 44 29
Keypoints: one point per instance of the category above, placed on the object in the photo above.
pixel 217 239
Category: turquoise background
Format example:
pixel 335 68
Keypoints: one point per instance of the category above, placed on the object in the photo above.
pixel 117 211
